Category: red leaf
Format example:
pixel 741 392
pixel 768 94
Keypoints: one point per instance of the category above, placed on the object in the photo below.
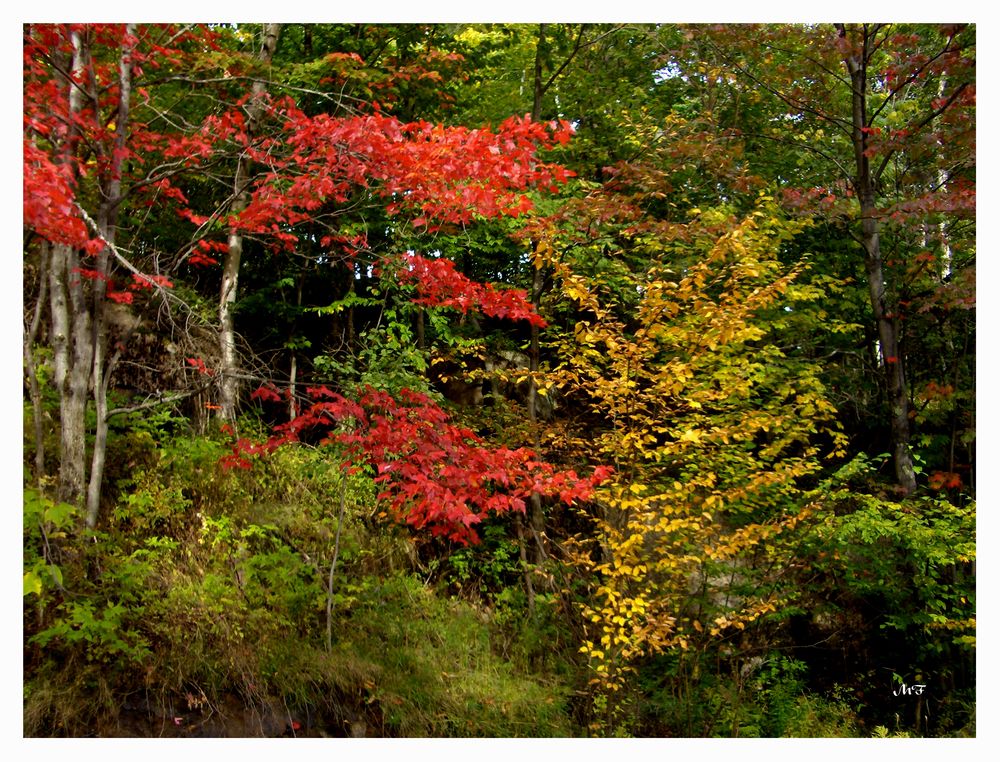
pixel 121 297
pixel 266 394
pixel 199 365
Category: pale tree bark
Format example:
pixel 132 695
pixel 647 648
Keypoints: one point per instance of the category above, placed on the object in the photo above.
pixel 229 362
pixel 107 216
pixel 293 364
pixel 865 181
pixel 942 181
pixel 71 326
pixel 72 359
pixel 34 388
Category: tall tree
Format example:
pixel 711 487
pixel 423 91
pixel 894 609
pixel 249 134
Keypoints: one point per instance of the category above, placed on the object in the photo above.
pixel 228 362
pixel 81 162
pixel 862 105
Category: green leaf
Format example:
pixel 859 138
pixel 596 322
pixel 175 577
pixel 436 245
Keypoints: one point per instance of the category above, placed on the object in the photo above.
pixel 32 583
pixel 59 513
pixel 351 300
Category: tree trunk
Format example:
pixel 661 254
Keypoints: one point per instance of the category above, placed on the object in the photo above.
pixel 71 329
pixel 34 389
pixel 228 362
pixel 293 370
pixel 107 217
pixel 885 315
pixel 72 358
pixel 536 518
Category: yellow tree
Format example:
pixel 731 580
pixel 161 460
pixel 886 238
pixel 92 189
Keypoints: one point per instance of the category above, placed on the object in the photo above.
pixel 711 427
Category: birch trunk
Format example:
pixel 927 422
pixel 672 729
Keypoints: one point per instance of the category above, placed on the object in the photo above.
pixel 229 362
pixel 71 328
pixel 107 218
pixel 34 389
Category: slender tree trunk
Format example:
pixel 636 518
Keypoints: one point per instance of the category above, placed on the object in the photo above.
pixel 529 587
pixel 228 385
pixel 885 314
pixel 111 191
pixel 72 335
pixel 229 362
pixel 307 41
pixel 70 471
pixel 293 372
pixel 34 390
pixel 536 518
pixel 71 328
pixel 942 181
pixel 293 361
pixel 333 563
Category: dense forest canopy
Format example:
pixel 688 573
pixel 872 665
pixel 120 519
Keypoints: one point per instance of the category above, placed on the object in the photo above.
pixel 550 379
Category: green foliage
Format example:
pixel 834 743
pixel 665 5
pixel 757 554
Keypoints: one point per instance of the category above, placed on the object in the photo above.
pixel 428 664
pixel 387 358
pixel 871 544
pixel 46 525
pixel 708 334
pixel 766 696
pixel 487 568
pixel 105 633
pixel 782 706
pixel 217 592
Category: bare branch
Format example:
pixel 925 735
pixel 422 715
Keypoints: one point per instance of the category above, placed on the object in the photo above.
pixel 155 401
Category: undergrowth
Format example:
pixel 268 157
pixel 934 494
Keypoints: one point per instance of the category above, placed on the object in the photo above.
pixel 207 586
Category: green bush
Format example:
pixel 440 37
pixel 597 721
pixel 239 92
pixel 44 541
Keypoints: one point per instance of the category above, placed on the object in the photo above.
pixel 430 669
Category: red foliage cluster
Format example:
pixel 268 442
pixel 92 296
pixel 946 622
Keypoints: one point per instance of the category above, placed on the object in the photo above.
pixel 439 284
pixel 199 365
pixel 438 174
pixel 944 480
pixel 49 200
pixel 125 295
pixel 435 174
pixel 958 198
pixel 64 144
pixel 434 474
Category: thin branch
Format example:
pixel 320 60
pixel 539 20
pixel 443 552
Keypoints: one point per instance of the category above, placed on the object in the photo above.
pixel 838 123
pixel 153 401
pixel 333 563
pixel 923 123
pixel 572 54
pixel 910 79
pixel 811 148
